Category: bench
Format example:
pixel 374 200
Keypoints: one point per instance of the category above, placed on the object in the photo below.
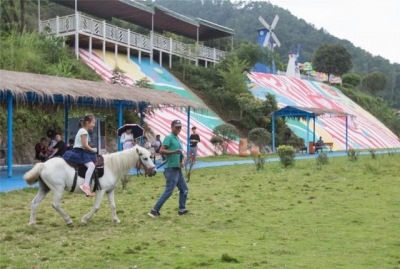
pixel 302 149
pixel 327 145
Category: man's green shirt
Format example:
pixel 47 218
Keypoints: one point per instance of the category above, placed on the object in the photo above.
pixel 172 142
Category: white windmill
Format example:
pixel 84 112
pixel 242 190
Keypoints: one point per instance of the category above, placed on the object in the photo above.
pixel 292 69
pixel 265 40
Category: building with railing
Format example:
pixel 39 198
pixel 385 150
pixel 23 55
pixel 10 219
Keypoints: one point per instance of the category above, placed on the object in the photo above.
pixel 89 32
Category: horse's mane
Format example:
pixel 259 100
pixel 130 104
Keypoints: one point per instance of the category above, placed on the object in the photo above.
pixel 122 162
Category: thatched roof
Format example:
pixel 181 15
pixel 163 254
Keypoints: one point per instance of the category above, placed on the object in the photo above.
pixel 27 87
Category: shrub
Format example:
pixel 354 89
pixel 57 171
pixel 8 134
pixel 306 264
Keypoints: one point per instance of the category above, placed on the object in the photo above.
pixel 226 258
pixel 228 133
pixel 373 153
pixel 216 141
pixel 124 181
pixel 322 159
pixel 353 154
pixel 286 155
pixel 260 137
pixel 259 160
pixel 351 79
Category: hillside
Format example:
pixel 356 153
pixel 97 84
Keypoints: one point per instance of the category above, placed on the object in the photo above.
pixel 291 31
pixel 39 54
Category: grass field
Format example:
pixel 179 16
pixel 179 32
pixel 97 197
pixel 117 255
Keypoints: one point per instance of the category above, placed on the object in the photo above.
pixel 342 215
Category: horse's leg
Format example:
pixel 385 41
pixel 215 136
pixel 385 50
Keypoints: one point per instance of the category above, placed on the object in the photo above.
pixel 112 206
pixel 96 207
pixel 57 194
pixel 43 191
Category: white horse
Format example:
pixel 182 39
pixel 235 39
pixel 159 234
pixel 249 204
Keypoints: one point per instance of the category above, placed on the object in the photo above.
pixel 56 175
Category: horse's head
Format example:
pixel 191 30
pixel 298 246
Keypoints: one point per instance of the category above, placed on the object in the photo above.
pixel 146 162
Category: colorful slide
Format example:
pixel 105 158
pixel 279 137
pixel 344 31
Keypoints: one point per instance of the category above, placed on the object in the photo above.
pixel 365 131
pixel 160 79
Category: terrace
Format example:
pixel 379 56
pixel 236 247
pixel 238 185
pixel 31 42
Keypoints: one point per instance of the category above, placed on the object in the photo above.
pixel 96 33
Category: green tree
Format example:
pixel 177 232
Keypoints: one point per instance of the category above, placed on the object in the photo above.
pixel 260 137
pixel 248 103
pixel 228 133
pixel 332 60
pixel 231 69
pixel 248 51
pixel 351 79
pixel 374 82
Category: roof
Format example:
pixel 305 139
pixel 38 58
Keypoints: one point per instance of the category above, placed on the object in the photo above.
pixel 140 13
pixel 27 87
pixel 304 112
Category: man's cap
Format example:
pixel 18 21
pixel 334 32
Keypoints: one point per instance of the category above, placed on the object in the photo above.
pixel 176 123
pixel 194 127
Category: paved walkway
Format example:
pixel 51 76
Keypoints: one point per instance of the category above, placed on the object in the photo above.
pixel 17 181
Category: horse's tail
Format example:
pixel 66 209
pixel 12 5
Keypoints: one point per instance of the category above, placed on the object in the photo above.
pixel 33 175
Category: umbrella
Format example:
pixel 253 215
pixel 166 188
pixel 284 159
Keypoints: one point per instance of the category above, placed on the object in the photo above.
pixel 137 130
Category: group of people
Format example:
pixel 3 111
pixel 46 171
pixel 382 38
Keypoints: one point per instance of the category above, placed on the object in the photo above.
pixel 56 148
pixel 77 151
pixel 128 141
pixel 171 147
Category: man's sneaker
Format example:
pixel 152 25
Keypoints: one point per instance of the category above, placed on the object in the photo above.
pixel 153 214
pixel 86 190
pixel 180 213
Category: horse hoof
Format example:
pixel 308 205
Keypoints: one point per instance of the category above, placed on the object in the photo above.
pixel 69 222
pixel 84 221
pixel 116 221
pixel 32 224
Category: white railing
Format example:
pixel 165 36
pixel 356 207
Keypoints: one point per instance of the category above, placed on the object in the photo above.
pixel 66 26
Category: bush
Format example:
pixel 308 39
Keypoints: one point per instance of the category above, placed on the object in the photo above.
pixel 286 155
pixel 259 160
pixel 260 137
pixel 351 79
pixel 216 141
pixel 373 153
pixel 226 258
pixel 353 154
pixel 322 159
pixel 228 133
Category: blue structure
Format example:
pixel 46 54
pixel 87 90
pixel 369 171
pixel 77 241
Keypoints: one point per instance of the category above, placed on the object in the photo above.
pixel 260 67
pixel 306 113
pixel 42 89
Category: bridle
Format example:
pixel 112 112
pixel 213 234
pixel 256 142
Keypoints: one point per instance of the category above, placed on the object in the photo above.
pixel 140 164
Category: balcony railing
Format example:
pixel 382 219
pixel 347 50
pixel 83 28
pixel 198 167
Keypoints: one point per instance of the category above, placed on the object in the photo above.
pixel 65 26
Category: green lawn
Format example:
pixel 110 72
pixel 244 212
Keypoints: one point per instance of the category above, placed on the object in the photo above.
pixel 344 215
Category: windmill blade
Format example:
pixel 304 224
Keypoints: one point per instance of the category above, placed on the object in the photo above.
pixel 276 40
pixel 266 40
pixel 276 19
pixel 266 25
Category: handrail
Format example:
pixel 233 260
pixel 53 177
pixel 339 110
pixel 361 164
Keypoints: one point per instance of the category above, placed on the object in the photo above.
pixel 65 25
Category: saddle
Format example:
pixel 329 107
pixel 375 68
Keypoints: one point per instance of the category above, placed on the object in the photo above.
pixel 80 170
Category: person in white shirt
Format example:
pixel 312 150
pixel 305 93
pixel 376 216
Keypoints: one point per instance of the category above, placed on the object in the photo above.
pixel 82 153
pixel 146 144
pixel 127 139
pixel 157 144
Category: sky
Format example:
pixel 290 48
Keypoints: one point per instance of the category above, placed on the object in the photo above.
pixel 371 25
